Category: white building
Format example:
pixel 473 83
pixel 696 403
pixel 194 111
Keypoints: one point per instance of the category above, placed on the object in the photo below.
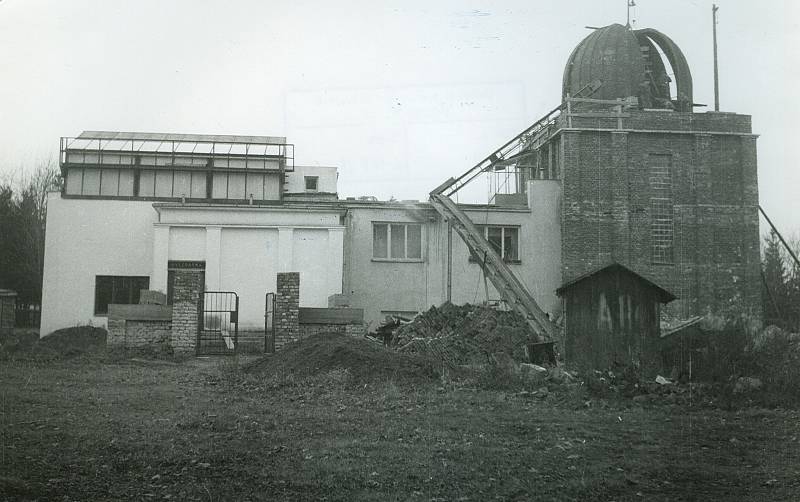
pixel 134 206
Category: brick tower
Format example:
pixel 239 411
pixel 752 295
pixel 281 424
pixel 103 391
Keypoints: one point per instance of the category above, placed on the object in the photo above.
pixel 649 183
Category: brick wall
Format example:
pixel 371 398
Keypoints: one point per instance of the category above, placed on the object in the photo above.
pixel 185 310
pixel 307 330
pixel 606 207
pixel 139 333
pixel 287 309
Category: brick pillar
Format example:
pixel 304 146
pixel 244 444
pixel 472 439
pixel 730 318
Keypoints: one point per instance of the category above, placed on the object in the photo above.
pixel 287 309
pixel 185 310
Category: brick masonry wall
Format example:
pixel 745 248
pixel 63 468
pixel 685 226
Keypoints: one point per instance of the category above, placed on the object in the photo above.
pixel 186 310
pixel 287 309
pixel 605 212
pixel 132 334
pixel 307 330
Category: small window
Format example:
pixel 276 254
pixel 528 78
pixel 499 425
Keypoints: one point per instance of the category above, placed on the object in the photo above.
pixel 397 241
pixel 312 183
pixel 110 289
pixel 504 240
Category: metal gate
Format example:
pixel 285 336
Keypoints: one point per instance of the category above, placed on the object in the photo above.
pixel 218 326
pixel 269 323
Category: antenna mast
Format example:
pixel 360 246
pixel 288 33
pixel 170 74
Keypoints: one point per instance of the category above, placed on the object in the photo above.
pixel 630 3
pixel 714 10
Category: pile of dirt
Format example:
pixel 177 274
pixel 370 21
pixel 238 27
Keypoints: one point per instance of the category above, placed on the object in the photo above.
pixel 465 334
pixel 61 344
pixel 365 360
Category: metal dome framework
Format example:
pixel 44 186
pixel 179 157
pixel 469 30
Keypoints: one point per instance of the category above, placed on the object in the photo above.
pixel 615 62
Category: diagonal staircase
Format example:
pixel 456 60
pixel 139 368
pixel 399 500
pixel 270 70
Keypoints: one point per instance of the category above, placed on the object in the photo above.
pixel 495 269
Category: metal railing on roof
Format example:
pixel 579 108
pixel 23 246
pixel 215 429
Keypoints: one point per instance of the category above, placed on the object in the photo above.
pixel 187 151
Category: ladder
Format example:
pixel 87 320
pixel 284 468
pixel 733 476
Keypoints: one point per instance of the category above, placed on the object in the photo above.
pixel 495 269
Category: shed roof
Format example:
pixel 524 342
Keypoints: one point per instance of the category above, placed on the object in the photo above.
pixel 665 296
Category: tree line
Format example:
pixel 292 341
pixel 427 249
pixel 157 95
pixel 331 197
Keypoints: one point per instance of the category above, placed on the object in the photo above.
pixel 781 283
pixel 23 212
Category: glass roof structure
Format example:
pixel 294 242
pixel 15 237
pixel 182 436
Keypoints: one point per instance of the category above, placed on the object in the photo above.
pixel 111 148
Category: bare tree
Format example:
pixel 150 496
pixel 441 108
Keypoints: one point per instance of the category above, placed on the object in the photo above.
pixel 24 215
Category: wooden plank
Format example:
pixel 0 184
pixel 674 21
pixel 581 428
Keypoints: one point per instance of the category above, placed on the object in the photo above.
pixel 140 312
pixel 599 101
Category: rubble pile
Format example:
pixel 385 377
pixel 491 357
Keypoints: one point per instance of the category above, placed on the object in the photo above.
pixel 465 334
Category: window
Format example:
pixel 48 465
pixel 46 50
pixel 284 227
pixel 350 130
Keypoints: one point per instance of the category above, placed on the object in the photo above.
pixel 312 183
pixel 661 205
pixel 110 289
pixel 397 241
pixel 241 186
pixel 504 240
pixel 99 182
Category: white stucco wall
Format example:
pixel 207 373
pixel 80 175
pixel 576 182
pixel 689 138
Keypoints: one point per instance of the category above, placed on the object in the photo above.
pixel 327 179
pixel 244 247
pixel 379 286
pixel 86 238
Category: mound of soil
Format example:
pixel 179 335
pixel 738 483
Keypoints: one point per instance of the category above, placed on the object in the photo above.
pixel 464 334
pixel 61 344
pixel 364 360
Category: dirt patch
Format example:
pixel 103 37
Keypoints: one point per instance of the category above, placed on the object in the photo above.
pixel 365 360
pixel 129 432
pixel 63 343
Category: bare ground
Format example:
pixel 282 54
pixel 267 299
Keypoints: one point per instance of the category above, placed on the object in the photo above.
pixel 88 429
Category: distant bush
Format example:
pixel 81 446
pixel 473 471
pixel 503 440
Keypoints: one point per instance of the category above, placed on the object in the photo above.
pixel 774 355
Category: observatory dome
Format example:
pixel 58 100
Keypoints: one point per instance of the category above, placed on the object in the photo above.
pixel 615 62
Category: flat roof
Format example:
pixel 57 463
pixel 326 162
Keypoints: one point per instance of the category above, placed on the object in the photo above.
pixel 192 138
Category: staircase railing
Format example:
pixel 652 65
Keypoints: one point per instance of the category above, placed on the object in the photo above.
pixel 510 288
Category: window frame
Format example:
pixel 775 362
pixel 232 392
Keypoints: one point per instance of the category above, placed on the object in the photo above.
pixel 306 179
pixel 485 229
pixel 661 208
pixel 131 293
pixel 406 225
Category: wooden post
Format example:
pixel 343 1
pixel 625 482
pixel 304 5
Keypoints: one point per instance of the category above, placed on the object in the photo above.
pixel 714 10
pixel 449 261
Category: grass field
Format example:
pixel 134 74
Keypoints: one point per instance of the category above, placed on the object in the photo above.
pixel 88 428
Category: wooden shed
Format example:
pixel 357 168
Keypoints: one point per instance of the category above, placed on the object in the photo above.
pixel 612 319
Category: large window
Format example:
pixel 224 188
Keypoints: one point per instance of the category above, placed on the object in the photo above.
pixel 397 241
pixel 117 289
pixel 172 183
pixel 661 206
pixel 504 240
pixel 94 181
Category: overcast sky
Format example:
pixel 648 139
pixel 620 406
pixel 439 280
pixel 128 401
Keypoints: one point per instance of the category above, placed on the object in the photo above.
pixel 398 95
